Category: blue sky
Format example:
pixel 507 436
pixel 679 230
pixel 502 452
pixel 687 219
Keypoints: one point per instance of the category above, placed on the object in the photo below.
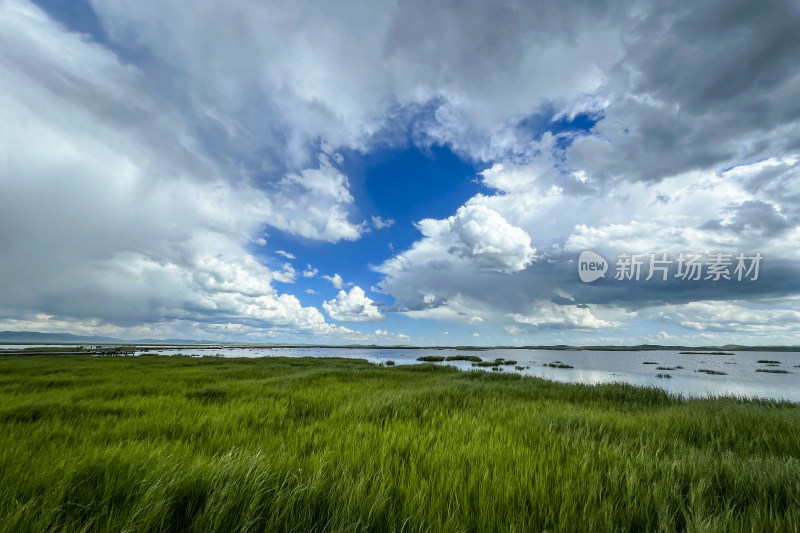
pixel 398 173
pixel 398 184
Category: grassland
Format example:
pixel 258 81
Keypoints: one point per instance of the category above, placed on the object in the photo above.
pixel 209 444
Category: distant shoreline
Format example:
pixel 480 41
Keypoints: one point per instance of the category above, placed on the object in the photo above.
pixel 697 350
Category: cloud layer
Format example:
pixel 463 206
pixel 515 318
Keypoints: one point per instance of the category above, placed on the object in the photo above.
pixel 141 162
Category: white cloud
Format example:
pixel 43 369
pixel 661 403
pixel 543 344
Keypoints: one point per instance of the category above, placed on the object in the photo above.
pixel 476 237
pixel 336 280
pixel 287 255
pixel 514 330
pixel 141 226
pixel 310 272
pixel 322 195
pixel 548 315
pixel 380 223
pixel 244 276
pixel 328 79
pixel 382 335
pixel 738 317
pixel 354 306
pixel 194 302
pixel 484 236
pixel 448 274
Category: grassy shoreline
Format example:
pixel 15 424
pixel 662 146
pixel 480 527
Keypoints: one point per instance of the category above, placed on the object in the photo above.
pixel 302 444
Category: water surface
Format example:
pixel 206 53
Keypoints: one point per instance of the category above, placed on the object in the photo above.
pixel 590 367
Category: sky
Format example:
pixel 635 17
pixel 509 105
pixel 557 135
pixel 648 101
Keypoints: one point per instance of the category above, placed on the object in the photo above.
pixel 386 172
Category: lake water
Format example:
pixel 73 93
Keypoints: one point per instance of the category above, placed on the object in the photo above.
pixel 590 367
pixel 740 376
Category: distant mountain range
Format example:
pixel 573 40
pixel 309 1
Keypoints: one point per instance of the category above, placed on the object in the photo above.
pixel 36 337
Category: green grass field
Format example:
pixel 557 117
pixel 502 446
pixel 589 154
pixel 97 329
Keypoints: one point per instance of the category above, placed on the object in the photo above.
pixel 209 444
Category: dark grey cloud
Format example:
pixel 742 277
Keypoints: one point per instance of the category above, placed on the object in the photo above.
pixel 719 57
pixel 752 216
pixel 551 280
pixel 701 86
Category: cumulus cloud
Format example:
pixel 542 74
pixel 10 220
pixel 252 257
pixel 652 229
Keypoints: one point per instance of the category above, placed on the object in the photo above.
pixel 287 255
pixel 336 280
pixel 455 270
pixel 476 237
pixel 322 195
pixel 548 315
pixel 353 306
pixel 383 335
pixel 484 236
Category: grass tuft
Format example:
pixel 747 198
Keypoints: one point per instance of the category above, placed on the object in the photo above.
pixel 461 357
pixel 558 364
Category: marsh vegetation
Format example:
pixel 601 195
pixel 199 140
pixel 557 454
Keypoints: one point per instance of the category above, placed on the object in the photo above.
pixel 301 444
